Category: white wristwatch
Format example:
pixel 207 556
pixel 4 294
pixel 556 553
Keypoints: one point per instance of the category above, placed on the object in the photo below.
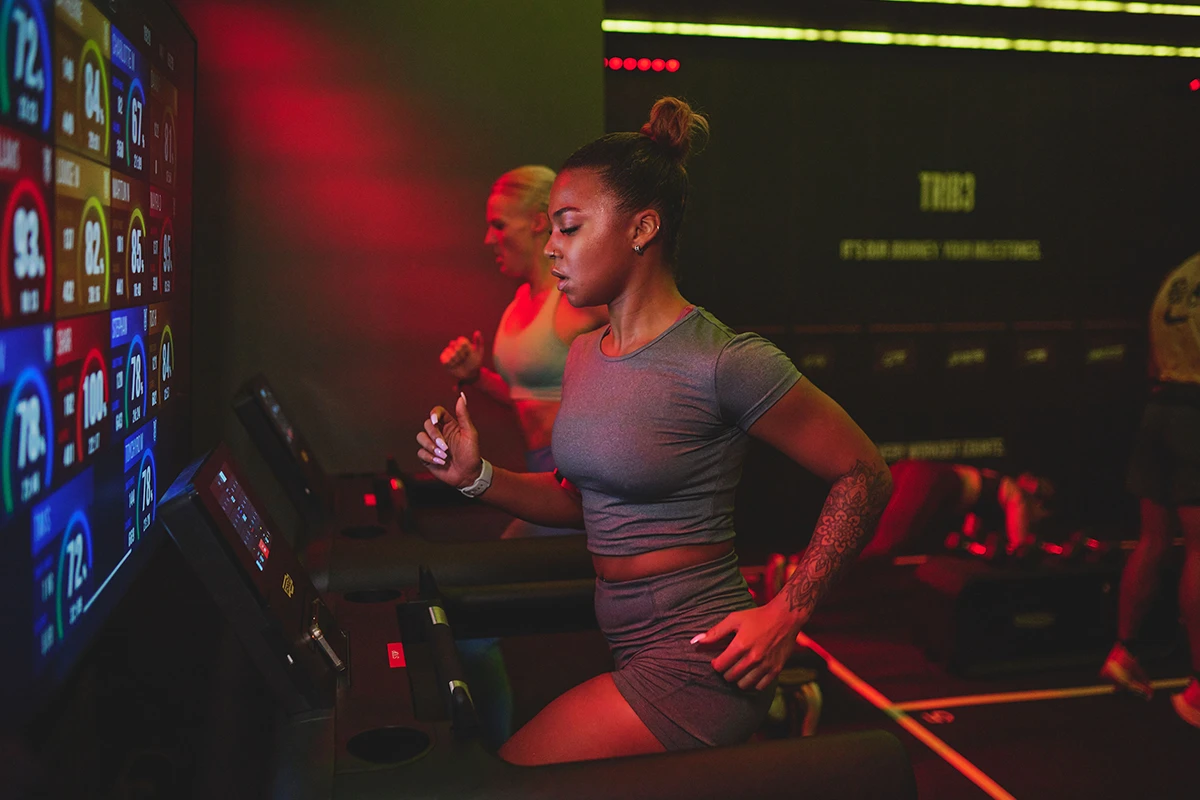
pixel 481 483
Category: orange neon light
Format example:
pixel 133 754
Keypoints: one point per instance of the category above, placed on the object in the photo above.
pixel 877 699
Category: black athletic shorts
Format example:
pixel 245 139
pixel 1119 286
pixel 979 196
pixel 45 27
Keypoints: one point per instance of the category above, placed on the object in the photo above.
pixel 1165 465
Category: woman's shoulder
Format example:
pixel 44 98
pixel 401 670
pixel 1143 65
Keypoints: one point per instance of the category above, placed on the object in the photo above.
pixel 710 334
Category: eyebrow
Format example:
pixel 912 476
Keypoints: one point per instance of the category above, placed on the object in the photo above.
pixel 564 210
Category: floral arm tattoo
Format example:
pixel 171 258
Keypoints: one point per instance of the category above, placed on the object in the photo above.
pixel 848 520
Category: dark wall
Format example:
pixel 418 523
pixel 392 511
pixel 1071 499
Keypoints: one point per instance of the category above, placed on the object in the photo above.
pixel 814 144
pixel 344 155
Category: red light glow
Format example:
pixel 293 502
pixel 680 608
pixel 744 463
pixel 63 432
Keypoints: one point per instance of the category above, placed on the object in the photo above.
pixel 642 64
pixel 1195 84
pixel 395 484
pixel 369 500
pixel 977 549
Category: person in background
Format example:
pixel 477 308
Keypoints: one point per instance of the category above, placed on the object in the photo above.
pixel 933 498
pixel 1164 472
pixel 531 342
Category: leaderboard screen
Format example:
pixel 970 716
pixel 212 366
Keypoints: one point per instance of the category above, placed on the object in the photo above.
pixel 96 104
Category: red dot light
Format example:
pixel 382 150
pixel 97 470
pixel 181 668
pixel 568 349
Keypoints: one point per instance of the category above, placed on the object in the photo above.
pixel 642 64
pixel 1195 84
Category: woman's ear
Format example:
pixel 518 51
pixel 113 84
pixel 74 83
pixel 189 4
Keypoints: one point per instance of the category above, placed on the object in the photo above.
pixel 647 225
pixel 541 222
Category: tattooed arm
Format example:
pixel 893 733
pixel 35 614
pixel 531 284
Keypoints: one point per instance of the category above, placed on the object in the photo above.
pixel 847 522
pixel 813 430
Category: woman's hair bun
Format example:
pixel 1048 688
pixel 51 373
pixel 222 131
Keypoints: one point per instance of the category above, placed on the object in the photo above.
pixel 675 126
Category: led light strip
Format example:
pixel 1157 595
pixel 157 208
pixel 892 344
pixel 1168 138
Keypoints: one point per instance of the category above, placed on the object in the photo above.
pixel 973 700
pixel 923 734
pixel 1102 6
pixel 949 41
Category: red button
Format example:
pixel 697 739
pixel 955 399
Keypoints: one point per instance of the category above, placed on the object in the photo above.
pixel 396 655
pixel 369 500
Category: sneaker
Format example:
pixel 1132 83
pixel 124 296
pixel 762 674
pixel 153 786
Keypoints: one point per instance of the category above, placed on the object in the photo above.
pixel 1187 703
pixel 1123 669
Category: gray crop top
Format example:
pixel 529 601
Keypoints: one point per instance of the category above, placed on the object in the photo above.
pixel 655 439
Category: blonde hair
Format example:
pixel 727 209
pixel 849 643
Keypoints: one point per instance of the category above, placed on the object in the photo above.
pixel 529 184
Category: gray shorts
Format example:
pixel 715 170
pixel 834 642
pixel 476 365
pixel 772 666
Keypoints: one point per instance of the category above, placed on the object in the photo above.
pixel 669 682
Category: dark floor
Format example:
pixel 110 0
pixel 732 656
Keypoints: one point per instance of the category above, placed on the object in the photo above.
pixel 1103 746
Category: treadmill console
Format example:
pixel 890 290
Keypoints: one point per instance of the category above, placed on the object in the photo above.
pixel 251 572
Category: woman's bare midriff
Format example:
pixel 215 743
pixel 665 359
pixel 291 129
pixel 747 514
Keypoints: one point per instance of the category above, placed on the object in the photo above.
pixel 657 562
pixel 537 421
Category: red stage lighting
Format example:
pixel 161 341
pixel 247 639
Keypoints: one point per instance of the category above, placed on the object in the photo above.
pixel 658 65
pixel 614 62
pixel 631 63
pixel 1195 84
pixel 643 64
pixel 673 65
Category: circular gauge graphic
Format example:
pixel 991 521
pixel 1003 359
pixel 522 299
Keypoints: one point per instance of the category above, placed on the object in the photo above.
pixel 135 383
pixel 25 67
pixel 27 467
pixel 147 493
pixel 135 124
pixel 166 250
pixel 92 268
pixel 166 363
pixel 92 407
pixel 74 572
pixel 94 88
pixel 25 242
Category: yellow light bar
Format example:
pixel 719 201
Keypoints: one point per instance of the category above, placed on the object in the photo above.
pixel 1101 6
pixel 950 41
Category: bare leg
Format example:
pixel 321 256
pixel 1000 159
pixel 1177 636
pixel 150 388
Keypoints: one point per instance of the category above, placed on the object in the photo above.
pixel 590 721
pixel 1189 582
pixel 1139 580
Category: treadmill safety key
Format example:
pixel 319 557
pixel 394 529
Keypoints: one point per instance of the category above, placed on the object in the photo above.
pixel 396 655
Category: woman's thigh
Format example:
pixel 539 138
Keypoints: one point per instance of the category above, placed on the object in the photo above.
pixel 590 721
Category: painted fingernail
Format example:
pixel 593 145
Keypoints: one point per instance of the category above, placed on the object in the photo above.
pixel 463 395
pixel 440 462
pixel 439 452
pixel 433 418
pixel 442 444
pixel 698 638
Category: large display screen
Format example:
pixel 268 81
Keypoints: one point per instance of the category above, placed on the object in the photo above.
pixel 96 109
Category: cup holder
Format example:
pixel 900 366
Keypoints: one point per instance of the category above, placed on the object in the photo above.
pixel 363 531
pixel 373 596
pixel 389 745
